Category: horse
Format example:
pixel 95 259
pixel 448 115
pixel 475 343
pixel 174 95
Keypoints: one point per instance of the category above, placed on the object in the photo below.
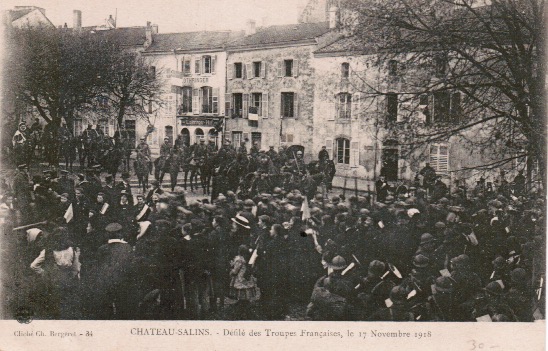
pixel 110 160
pixel 161 167
pixel 207 168
pixel 193 167
pixel 140 165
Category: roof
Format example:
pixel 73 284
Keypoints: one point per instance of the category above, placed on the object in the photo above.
pixel 346 45
pixel 191 41
pixel 127 36
pixel 282 34
pixel 16 14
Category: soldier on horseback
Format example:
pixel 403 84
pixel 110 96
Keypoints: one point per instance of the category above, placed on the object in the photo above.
pixel 144 149
pixel 161 162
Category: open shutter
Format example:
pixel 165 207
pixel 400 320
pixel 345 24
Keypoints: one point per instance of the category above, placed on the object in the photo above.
pixel 230 70
pixel 434 156
pixel 264 107
pixel 443 158
pixel 228 105
pixel 245 104
pixel 422 107
pixel 354 154
pixel 356 106
pixel 280 68
pixel 197 65
pixel 330 110
pixel 329 147
pixel 249 71
pixel 263 69
pixel 215 100
pixel 213 63
pixel 295 105
pixel 196 101
pixel 295 68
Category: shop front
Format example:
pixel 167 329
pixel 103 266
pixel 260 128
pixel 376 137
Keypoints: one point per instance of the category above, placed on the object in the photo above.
pixel 195 128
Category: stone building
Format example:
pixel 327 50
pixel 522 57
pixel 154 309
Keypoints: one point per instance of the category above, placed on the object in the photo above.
pixel 193 67
pixel 27 16
pixel 270 85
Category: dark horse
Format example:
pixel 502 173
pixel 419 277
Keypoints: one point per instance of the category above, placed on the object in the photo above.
pixel 207 168
pixel 161 167
pixel 193 166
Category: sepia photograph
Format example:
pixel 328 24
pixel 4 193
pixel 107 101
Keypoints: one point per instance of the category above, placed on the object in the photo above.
pixel 304 160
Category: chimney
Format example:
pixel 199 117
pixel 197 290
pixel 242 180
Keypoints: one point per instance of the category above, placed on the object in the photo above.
pixel 77 19
pixel 250 27
pixel 333 17
pixel 111 21
pixel 154 29
pixel 148 35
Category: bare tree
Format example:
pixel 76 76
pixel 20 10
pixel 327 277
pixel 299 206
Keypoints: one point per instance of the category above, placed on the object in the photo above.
pixel 471 71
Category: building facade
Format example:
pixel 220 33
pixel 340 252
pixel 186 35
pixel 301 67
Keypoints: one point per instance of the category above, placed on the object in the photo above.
pixel 270 86
pixel 194 72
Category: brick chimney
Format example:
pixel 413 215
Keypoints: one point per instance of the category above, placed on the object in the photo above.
pixel 333 17
pixel 148 35
pixel 77 19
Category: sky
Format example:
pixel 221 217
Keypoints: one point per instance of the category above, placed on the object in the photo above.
pixel 170 15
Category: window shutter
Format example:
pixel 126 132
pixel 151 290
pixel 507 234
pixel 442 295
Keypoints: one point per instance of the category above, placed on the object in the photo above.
pixel 280 68
pixel 213 63
pixel 295 68
pixel 330 110
pixel 197 65
pixel 295 105
pixel 215 100
pixel 196 101
pixel 434 156
pixel 354 154
pixel 329 147
pixel 245 105
pixel 422 108
pixel 228 105
pixel 230 70
pixel 356 106
pixel 264 102
pixel 249 71
pixel 263 69
pixel 443 158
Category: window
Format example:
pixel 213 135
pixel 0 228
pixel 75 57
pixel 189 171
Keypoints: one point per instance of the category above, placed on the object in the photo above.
pixel 256 137
pixel 130 130
pixel 286 138
pixel 288 68
pixel 238 70
pixel 344 105
pixel 456 109
pixel 238 103
pixel 255 109
pixel 392 107
pixel 442 104
pixel 186 67
pixel 186 101
pixel 392 68
pixel 257 69
pixel 343 151
pixel 390 157
pixel 197 66
pixel 345 70
pixel 209 98
pixel 288 105
pixel 168 132
pixel 439 157
pixel 206 60
pixel 186 136
pixel 440 65
pixel 236 138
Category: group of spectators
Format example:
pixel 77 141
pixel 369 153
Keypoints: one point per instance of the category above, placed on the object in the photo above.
pixel 101 252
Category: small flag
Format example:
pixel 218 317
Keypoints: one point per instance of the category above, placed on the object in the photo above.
pixel 305 209
pixel 253 257
pixel 485 318
pixel 142 213
pixel 69 214
pixel 104 208
pixel 507 230
pixel 445 273
pixel 350 266
pixel 388 302
pixel 539 293
pixel 500 283
pixel 394 270
pixel 418 317
pixel 411 294
pixel 381 224
pixel 329 270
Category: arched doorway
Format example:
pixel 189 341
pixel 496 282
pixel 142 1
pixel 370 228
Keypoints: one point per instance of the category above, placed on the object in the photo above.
pixel 186 136
pixel 212 136
pixel 169 134
pixel 199 134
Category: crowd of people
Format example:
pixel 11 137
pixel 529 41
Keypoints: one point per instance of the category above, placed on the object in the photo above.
pixel 94 249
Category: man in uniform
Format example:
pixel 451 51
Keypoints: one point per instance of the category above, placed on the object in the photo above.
pixel 144 149
pixel 429 176
pixel 254 151
pixel 323 155
pixel 111 194
pixel 381 187
pixel 165 152
pixel 272 154
pixel 242 149
pixel 297 165
pixel 200 150
pixel 20 141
